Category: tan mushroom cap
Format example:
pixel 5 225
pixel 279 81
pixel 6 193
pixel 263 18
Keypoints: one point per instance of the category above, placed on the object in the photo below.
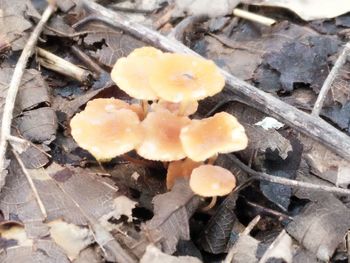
pixel 180 169
pixel 175 108
pixel 222 133
pixel 179 77
pixel 131 73
pixel 106 131
pixel 161 137
pixel 210 180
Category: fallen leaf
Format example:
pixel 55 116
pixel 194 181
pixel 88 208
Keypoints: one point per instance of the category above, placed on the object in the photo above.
pixel 205 7
pixel 321 226
pixel 309 9
pixel 172 212
pixel 155 255
pixel 269 123
pixel 14 21
pixel 335 169
pixel 38 125
pixel 281 249
pixel 245 250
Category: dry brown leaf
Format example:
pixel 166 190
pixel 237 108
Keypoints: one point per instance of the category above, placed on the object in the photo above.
pixel 281 248
pixel 14 21
pixel 309 9
pixel 172 212
pixel 155 255
pixel 321 226
pixel 205 7
pixel 245 250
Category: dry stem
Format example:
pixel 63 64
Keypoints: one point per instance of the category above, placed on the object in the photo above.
pixel 14 85
pixel 254 17
pixel 329 80
pixel 64 67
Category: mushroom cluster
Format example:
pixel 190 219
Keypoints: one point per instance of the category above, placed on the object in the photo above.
pixel 169 86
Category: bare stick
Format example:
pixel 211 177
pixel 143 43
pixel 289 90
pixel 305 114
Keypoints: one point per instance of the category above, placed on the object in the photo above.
pixel 64 67
pixel 87 60
pixel 329 80
pixel 14 85
pixel 314 127
pixel 31 183
pixel 254 17
pixel 289 182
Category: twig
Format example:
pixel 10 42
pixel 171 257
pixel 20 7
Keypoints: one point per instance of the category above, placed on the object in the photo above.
pixel 31 183
pixel 269 211
pixel 254 17
pixel 246 232
pixel 329 80
pixel 14 85
pixel 68 35
pixel 284 181
pixel 312 126
pixel 64 67
pixel 92 65
pixel 131 10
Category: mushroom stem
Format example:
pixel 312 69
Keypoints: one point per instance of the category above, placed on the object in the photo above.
pixel 183 107
pixel 145 106
pixel 139 161
pixel 210 205
pixel 212 159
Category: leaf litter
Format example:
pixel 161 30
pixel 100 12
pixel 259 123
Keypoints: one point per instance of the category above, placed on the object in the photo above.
pixel 98 214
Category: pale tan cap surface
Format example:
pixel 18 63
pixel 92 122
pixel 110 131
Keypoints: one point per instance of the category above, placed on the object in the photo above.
pixel 209 180
pixel 222 133
pixel 105 131
pixel 161 137
pixel 179 77
pixel 180 169
pixel 131 73
pixel 173 107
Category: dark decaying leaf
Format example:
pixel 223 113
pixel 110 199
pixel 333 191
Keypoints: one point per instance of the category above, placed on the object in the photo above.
pixel 34 157
pixel 335 169
pixel 172 212
pixel 216 234
pixel 304 61
pixel 321 226
pixel 115 44
pixel 155 255
pixel 340 89
pixel 14 21
pixel 89 255
pixel 340 115
pixel 274 165
pixel 38 125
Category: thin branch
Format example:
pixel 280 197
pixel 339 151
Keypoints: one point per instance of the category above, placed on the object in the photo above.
pixel 312 126
pixel 14 85
pixel 267 21
pixel 289 182
pixel 31 183
pixel 329 80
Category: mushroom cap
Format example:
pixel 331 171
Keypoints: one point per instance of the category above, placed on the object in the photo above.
pixel 210 180
pixel 131 73
pixel 147 51
pixel 106 131
pixel 222 133
pixel 161 137
pixel 179 77
pixel 180 169
pixel 173 107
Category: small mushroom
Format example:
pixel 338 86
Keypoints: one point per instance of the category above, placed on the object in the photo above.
pixel 106 128
pixel 180 169
pixel 211 181
pixel 222 133
pixel 131 73
pixel 181 78
pixel 161 137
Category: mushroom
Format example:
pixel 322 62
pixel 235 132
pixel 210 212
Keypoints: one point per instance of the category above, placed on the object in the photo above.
pixel 131 73
pixel 161 137
pixel 106 128
pixel 222 133
pixel 180 169
pixel 175 108
pixel 211 181
pixel 185 78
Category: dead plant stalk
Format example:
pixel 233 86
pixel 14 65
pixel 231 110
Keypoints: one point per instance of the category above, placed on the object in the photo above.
pixel 14 86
